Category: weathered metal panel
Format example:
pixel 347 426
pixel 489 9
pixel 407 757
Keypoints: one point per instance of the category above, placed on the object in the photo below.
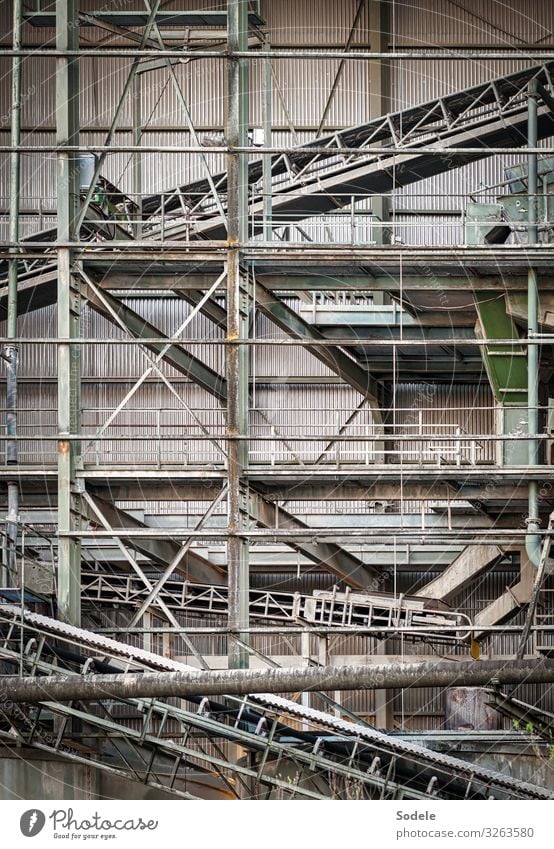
pixel 469 709
pixel 473 22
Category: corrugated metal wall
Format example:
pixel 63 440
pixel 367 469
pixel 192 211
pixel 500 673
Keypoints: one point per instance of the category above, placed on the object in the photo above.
pixel 300 92
pixel 303 86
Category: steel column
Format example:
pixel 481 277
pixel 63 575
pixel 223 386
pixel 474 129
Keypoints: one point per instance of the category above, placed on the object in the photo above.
pixel 236 356
pixel 10 350
pixel 533 541
pixel 69 402
pixel 379 102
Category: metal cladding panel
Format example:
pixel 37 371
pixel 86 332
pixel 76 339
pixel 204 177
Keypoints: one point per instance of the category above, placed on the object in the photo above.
pixel 166 171
pixel 429 409
pixel 151 411
pixel 37 93
pixel 307 583
pixel 102 83
pixel 305 86
pixel 423 230
pixel 202 85
pixel 38 361
pixel 473 22
pixel 296 410
pixel 37 184
pixel 37 414
pixel 451 190
pixel 313 22
pixel 419 80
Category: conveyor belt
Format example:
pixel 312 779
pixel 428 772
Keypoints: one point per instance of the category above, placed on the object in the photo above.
pixel 306 184
pixel 260 723
pixel 325 608
pixel 492 114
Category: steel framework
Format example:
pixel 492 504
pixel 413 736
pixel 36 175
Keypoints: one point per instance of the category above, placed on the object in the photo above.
pixel 271 256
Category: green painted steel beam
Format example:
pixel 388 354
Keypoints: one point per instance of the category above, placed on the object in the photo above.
pixel 506 365
pixel 175 355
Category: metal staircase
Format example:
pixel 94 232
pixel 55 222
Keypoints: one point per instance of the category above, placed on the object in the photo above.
pixel 325 608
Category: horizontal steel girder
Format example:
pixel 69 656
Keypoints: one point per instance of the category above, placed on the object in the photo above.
pixel 172 276
pixel 139 18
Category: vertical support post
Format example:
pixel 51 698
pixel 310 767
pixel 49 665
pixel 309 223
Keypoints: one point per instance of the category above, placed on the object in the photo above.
pixel 137 157
pixel 267 121
pixel 533 542
pixel 379 102
pixel 11 350
pixel 237 325
pixel 69 402
pixel 305 640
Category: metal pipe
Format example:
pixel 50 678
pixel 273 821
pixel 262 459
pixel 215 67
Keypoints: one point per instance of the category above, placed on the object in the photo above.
pixel 351 630
pixel 532 540
pixel 299 533
pixel 314 150
pixel 274 680
pixel 267 110
pixel 351 342
pixel 11 350
pixel 451 55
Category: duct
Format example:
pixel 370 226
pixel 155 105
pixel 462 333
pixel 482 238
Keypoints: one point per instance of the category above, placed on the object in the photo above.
pixel 274 680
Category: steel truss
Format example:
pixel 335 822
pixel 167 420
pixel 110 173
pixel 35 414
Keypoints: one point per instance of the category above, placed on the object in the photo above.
pixel 212 221
pixel 267 726
pixel 311 180
pixel 364 610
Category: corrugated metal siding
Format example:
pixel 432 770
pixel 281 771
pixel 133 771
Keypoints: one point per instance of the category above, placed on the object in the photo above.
pixel 304 86
pixel 429 409
pixel 473 22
